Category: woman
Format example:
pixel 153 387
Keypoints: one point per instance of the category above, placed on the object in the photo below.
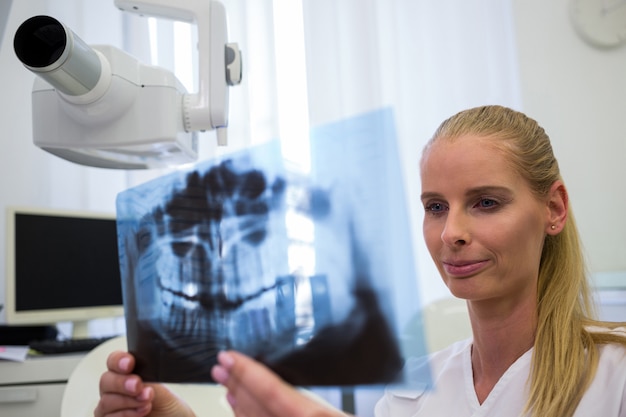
pixel 500 230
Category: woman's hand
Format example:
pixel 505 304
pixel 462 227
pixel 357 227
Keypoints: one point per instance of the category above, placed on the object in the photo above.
pixel 124 394
pixel 255 391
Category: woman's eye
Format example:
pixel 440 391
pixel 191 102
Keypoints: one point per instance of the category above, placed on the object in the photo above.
pixel 487 203
pixel 435 208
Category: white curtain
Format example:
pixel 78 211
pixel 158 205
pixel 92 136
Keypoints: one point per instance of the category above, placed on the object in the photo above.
pixel 426 59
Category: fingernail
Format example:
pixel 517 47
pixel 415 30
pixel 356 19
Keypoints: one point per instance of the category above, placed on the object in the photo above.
pixel 231 399
pixel 144 394
pixel 124 364
pixel 220 375
pixel 225 359
pixel 130 385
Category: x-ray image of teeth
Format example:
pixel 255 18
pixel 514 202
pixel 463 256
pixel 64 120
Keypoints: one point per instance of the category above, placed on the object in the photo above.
pixel 306 273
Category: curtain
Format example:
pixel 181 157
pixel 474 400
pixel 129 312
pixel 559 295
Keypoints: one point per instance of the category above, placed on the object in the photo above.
pixel 425 59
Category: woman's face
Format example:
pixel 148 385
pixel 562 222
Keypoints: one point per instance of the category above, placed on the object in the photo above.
pixel 483 226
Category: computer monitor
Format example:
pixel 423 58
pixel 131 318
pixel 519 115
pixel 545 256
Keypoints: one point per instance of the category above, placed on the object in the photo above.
pixel 62 266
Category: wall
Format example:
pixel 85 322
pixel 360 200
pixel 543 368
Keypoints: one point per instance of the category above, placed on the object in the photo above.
pixel 578 93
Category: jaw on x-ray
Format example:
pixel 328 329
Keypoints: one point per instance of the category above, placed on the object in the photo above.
pixel 240 253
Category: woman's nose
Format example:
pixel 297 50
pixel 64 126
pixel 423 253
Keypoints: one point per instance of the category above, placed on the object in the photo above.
pixel 456 229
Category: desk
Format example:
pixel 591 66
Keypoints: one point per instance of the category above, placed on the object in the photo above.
pixel 35 387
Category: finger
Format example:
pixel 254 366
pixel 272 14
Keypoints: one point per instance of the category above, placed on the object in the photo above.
pixel 121 405
pixel 256 391
pixel 244 404
pixel 246 397
pixel 121 362
pixel 111 382
pixel 121 393
pixel 119 378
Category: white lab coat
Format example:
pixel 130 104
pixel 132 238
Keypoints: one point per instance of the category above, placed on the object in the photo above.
pixel 453 392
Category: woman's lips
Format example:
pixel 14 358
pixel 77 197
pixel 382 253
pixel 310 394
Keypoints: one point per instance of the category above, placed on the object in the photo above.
pixel 463 268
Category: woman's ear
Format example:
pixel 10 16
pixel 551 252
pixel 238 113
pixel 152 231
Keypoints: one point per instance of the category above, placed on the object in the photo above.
pixel 558 203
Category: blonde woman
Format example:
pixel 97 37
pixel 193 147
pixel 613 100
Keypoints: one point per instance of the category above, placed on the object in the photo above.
pixel 500 230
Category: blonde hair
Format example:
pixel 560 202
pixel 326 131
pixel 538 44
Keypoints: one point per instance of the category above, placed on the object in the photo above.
pixel 565 354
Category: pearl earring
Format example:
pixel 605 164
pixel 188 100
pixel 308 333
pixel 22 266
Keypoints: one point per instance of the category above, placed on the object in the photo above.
pixel 553 227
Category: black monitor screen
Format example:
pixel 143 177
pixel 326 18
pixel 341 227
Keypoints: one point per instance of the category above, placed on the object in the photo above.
pixel 65 262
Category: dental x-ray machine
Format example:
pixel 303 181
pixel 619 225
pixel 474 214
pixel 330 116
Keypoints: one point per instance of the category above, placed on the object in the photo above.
pixel 98 106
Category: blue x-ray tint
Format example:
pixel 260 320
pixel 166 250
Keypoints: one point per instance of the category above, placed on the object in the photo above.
pixel 312 274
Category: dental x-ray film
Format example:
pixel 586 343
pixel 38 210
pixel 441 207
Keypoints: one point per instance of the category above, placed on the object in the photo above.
pixel 310 272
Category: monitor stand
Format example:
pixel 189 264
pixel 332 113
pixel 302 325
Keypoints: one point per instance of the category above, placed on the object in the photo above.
pixel 80 329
